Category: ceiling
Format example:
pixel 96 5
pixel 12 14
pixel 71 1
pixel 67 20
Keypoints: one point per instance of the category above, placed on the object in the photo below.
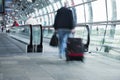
pixel 19 9
pixel 16 8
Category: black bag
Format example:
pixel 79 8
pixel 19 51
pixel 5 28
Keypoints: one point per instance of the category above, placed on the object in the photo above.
pixel 54 40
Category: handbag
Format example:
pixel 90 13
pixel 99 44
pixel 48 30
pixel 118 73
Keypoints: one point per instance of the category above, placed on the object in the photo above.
pixel 54 40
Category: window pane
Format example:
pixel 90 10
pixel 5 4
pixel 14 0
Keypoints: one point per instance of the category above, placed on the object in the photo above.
pixel 55 6
pixel 50 9
pixel 45 11
pixel 80 14
pixel 99 10
pixel 118 9
pixel 77 2
pixel 88 14
pixel 58 4
pixel 46 20
pixel 36 12
pixel 51 19
pixel 109 9
pixel 40 12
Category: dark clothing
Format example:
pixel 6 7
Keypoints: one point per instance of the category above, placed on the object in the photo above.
pixel 64 24
pixel 64 19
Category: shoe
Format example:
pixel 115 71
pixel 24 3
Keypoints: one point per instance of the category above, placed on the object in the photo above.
pixel 60 56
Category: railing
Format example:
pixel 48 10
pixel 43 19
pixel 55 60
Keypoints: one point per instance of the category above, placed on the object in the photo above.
pixel 81 31
pixel 21 33
pixel 31 35
pixel 103 39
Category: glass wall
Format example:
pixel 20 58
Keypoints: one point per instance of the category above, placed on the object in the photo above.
pixel 1 6
pixel 86 10
pixel 99 15
pixel 118 7
pixel 99 10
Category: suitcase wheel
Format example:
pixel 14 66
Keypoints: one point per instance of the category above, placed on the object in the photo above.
pixel 67 58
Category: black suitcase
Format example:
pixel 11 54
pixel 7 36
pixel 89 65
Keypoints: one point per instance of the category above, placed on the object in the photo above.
pixel 75 48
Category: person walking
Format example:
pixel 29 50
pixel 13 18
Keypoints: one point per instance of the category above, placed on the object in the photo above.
pixel 64 27
pixel 15 23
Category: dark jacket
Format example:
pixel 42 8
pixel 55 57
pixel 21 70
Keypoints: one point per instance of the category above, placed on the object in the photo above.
pixel 64 19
